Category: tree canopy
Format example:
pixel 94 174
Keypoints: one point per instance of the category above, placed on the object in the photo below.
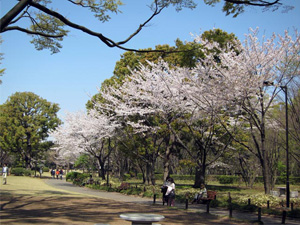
pixel 25 120
pixel 185 54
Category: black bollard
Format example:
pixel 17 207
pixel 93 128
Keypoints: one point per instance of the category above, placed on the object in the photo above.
pixel 154 198
pixel 230 205
pixel 268 204
pixel 292 206
pixel 186 203
pixel 259 215
pixel 283 217
pixel 249 201
pixel 207 206
pixel 230 211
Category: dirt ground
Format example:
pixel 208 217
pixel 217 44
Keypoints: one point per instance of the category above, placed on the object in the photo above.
pixel 89 210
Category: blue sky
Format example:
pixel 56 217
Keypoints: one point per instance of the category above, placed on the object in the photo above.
pixel 72 76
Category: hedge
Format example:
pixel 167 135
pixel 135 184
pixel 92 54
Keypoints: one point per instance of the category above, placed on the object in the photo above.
pixel 77 178
pixel 280 180
pixel 20 171
pixel 174 176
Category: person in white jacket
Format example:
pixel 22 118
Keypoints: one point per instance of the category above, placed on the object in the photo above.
pixel 4 173
pixel 202 194
pixel 171 192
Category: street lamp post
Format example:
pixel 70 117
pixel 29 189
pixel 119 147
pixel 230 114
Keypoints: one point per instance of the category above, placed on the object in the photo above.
pixel 107 181
pixel 284 88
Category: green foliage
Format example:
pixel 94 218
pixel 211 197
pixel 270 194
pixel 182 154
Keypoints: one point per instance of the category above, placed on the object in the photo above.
pixel 281 168
pixel 225 179
pixel 235 9
pixel 280 180
pixel 53 27
pixel 83 161
pixel 1 70
pixel 126 176
pixel 77 178
pixel 259 200
pixel 37 168
pixel 46 169
pixel 26 120
pixel 19 171
pixel 72 175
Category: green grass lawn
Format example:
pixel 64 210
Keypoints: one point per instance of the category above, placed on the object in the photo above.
pixel 21 185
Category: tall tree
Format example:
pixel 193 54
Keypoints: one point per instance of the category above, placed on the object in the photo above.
pixel 255 64
pixel 218 87
pixel 188 55
pixel 86 133
pixel 26 120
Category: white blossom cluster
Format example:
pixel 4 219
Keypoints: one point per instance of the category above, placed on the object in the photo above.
pixel 83 132
pixel 237 76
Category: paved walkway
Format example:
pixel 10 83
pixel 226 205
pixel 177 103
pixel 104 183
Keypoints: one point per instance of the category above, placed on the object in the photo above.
pixel 67 186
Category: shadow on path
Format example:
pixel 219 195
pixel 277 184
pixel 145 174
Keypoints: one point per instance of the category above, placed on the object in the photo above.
pixel 198 208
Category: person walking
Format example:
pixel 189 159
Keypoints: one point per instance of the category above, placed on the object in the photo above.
pixel 164 189
pixel 53 173
pixel 61 173
pixel 57 173
pixel 4 173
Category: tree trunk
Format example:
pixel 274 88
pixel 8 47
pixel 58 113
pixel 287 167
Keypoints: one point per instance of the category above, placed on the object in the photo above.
pixel 199 177
pixel 265 159
pixel 167 163
pixel 101 170
pixel 266 178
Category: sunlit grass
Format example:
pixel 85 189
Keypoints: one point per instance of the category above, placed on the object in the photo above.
pixel 21 185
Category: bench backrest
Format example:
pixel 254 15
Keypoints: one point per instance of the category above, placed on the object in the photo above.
pixel 211 194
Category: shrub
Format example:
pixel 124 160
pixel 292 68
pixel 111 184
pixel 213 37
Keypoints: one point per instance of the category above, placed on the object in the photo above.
pixel 280 180
pixel 19 171
pixel 77 178
pixel 140 176
pixel 71 176
pixel 224 179
pixel 126 176
pixel 46 169
pixel 259 200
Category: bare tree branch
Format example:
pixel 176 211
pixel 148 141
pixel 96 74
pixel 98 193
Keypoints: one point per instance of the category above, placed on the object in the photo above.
pixel 156 12
pixel 253 3
pixel 31 32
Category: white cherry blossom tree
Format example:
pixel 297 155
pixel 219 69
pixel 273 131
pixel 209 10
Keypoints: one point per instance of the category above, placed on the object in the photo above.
pixel 86 133
pixel 241 81
pixel 231 82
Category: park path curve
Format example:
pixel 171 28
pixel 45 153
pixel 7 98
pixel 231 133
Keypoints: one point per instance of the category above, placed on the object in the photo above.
pixel 67 186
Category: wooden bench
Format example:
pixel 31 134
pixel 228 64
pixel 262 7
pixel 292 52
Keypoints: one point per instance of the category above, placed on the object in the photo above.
pixel 124 186
pixel 211 195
